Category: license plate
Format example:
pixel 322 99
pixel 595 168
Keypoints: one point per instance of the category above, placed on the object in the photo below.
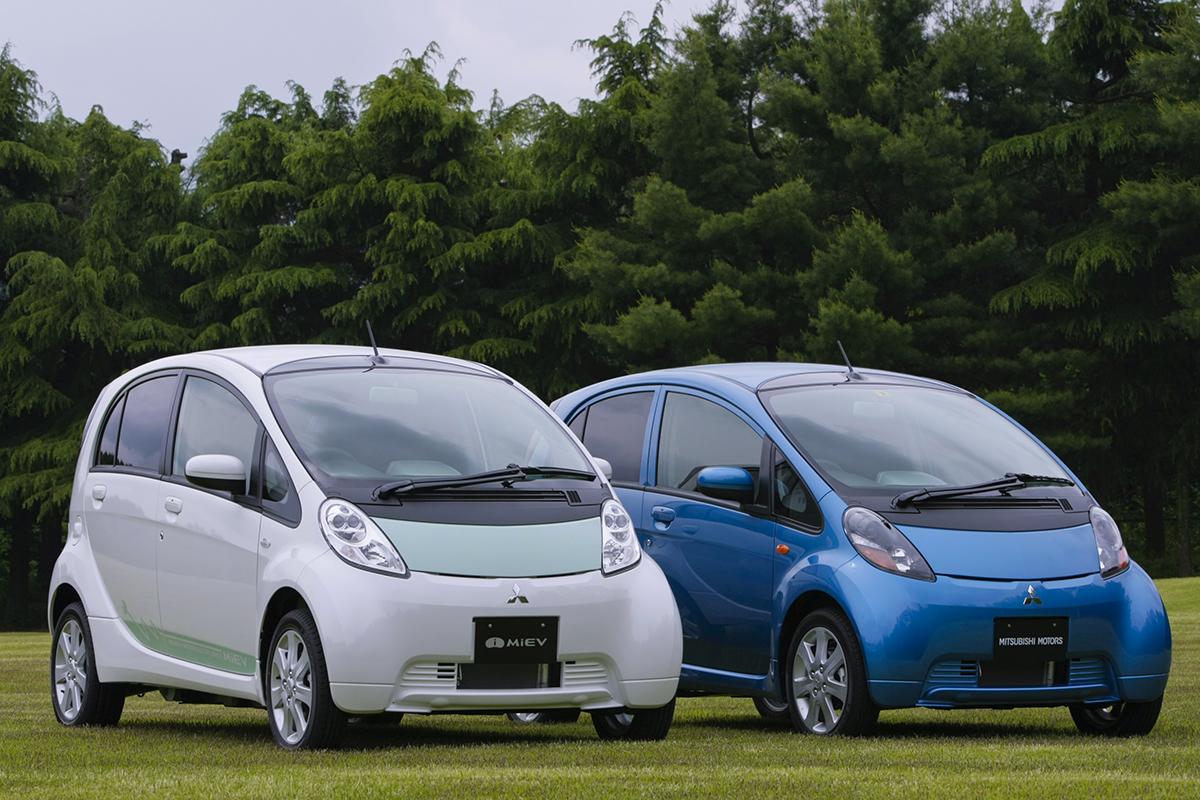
pixel 1029 640
pixel 516 640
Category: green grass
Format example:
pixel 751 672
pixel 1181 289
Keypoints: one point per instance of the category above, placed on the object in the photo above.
pixel 717 747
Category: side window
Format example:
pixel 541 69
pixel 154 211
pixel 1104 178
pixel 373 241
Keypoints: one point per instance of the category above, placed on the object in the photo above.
pixel 278 495
pixel 615 430
pixel 577 424
pixel 106 451
pixel 276 486
pixel 697 433
pixel 212 420
pixel 792 499
pixel 144 423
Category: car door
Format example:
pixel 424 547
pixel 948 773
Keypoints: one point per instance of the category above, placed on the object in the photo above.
pixel 208 554
pixel 121 500
pixel 614 428
pixel 718 557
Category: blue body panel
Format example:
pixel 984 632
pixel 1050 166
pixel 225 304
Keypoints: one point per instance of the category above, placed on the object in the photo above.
pixel 922 641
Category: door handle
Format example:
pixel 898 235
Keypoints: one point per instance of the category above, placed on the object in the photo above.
pixel 662 516
pixel 173 504
pixel 98 491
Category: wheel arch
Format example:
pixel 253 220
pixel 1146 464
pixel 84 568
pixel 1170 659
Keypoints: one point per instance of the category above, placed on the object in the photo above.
pixel 801 607
pixel 63 595
pixel 284 599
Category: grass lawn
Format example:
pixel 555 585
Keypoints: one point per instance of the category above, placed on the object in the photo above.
pixel 716 747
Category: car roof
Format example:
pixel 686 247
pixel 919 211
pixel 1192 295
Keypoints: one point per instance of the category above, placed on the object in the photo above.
pixel 751 376
pixel 264 358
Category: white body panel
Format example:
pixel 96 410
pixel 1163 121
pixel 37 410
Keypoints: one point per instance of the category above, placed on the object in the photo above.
pixel 186 609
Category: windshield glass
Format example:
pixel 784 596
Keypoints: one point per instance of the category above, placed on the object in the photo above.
pixel 384 424
pixel 888 437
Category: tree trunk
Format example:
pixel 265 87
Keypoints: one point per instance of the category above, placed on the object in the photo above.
pixel 1152 510
pixel 16 607
pixel 1183 489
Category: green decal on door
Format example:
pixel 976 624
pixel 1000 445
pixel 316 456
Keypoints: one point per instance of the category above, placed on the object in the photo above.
pixel 185 648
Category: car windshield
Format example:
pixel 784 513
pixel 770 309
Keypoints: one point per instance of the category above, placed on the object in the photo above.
pixel 885 437
pixel 382 424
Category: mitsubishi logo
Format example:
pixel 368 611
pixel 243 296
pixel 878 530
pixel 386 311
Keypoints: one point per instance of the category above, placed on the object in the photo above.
pixel 517 597
pixel 1031 597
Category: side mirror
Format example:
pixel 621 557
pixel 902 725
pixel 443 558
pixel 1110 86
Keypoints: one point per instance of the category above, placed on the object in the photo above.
pixel 726 483
pixel 604 467
pixel 216 471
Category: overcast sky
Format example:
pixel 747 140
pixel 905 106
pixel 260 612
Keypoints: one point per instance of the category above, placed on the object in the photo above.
pixel 177 67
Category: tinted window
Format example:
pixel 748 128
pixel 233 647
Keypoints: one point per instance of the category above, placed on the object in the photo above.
pixel 106 453
pixel 213 420
pixel 616 431
pixel 697 433
pixel 144 423
pixel 792 499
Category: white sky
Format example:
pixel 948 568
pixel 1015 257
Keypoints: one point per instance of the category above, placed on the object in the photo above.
pixel 178 66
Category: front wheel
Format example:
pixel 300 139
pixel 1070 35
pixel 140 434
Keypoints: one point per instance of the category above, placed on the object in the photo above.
pixel 75 689
pixel 644 724
pixel 300 708
pixel 1118 719
pixel 827 678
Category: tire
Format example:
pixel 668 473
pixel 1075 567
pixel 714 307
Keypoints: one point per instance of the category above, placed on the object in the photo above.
pixel 826 678
pixel 295 672
pixel 1117 720
pixel 773 710
pixel 644 724
pixel 559 716
pixel 78 696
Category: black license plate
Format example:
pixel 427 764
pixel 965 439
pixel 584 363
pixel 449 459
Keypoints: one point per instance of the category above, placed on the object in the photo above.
pixel 516 640
pixel 1029 640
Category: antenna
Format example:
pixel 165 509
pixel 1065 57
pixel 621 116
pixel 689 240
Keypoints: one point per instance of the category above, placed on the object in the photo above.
pixel 375 359
pixel 850 373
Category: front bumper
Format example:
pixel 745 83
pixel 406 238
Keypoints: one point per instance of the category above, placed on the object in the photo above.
pixel 395 644
pixel 923 642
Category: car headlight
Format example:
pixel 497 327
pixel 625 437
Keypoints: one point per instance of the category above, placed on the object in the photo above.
pixel 1109 544
pixel 619 548
pixel 357 539
pixel 878 541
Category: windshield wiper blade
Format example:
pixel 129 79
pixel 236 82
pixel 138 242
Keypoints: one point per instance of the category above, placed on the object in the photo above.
pixel 1011 480
pixel 506 476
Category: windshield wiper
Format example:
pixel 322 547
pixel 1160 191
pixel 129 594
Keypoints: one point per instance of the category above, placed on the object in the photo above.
pixel 507 476
pixel 1010 481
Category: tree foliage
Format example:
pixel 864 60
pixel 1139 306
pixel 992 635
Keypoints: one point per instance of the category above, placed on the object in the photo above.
pixel 998 196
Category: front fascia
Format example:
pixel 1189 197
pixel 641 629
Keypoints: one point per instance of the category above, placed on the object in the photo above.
pixel 496 551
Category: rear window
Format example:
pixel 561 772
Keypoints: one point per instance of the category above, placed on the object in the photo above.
pixel 106 453
pixel 615 430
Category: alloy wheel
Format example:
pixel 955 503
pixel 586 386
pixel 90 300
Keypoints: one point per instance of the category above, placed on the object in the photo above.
pixel 70 669
pixel 291 687
pixel 819 680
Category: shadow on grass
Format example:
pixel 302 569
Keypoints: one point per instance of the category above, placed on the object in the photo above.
pixel 359 736
pixel 946 727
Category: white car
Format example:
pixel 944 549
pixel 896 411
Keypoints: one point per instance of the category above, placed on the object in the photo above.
pixel 335 532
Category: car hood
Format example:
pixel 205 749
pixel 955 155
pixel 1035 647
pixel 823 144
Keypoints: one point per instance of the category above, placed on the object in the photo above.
pixel 1007 555
pixel 496 551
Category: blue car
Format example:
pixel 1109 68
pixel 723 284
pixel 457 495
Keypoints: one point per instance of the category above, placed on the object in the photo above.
pixel 843 541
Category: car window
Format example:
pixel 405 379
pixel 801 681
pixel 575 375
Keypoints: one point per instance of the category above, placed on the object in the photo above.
pixel 144 423
pixel 213 421
pixel 577 424
pixel 792 498
pixel 276 486
pixel 615 430
pixel 106 452
pixel 698 433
